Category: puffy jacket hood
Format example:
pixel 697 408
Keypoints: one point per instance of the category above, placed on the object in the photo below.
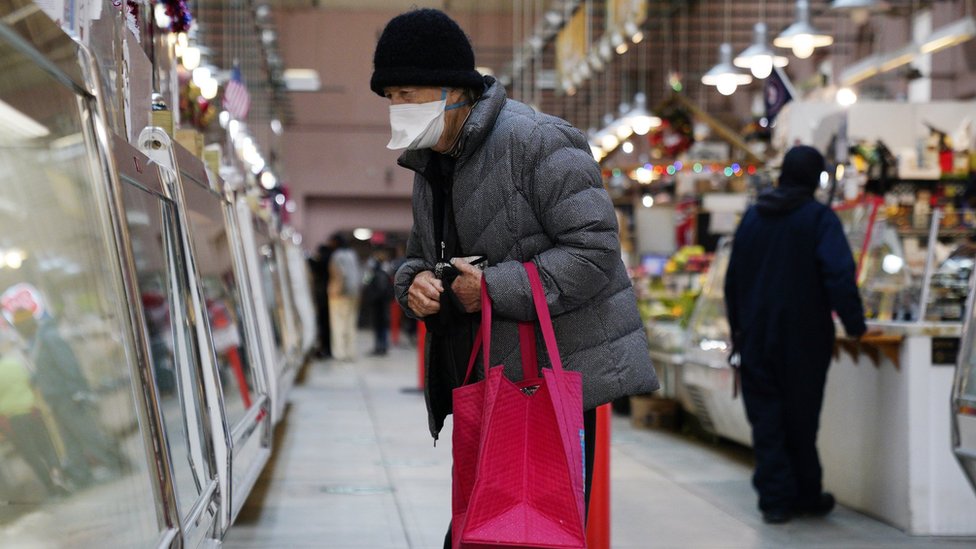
pixel 798 180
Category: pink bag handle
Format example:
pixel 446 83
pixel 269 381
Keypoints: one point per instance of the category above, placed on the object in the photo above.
pixel 530 363
pixel 542 311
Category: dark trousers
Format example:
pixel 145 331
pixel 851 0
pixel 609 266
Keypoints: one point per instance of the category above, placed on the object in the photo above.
pixel 322 324
pixel 589 443
pixel 784 410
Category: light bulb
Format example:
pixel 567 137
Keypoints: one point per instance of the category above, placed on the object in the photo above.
pixel 14 259
pixel 209 89
pixel 269 181
pixel 163 19
pixel 623 131
pixel 647 201
pixel 200 76
pixel 643 124
pixel 762 66
pixel 803 46
pixel 597 152
pixel 223 118
pixel 622 48
pixel 191 58
pixel 726 86
pixel 846 97
pixel 609 142
pixel 628 147
pixel 644 175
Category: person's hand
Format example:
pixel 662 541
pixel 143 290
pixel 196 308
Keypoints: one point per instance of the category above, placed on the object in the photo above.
pixel 872 332
pixel 467 286
pixel 424 295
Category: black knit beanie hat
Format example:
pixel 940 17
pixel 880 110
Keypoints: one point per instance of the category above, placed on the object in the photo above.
pixel 424 47
pixel 802 167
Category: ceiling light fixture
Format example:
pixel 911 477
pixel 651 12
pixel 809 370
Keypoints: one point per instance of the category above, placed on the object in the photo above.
pixel 860 10
pixel 639 118
pixel 759 58
pixel 725 76
pixel 801 36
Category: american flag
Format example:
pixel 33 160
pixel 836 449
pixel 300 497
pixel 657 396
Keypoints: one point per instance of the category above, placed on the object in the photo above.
pixel 236 99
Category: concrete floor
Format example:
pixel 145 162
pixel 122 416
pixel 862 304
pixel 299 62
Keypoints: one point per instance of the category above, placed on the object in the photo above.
pixel 354 467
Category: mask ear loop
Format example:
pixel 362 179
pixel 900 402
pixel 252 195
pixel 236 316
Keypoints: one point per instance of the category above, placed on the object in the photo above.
pixel 454 106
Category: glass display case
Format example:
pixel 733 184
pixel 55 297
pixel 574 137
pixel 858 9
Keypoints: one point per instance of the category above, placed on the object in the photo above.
pixel 209 217
pixel 301 285
pixel 909 274
pixel 165 289
pixel 890 288
pixel 707 380
pixel 78 463
pixel 667 294
pixel 964 394
pixel 267 295
pixel 709 337
pixel 239 386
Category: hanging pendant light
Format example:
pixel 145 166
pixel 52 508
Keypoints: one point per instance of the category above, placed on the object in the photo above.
pixel 860 10
pixel 724 75
pixel 639 118
pixel 801 37
pixel 759 57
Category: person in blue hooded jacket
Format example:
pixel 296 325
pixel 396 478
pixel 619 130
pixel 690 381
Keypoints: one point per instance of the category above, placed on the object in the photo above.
pixel 791 266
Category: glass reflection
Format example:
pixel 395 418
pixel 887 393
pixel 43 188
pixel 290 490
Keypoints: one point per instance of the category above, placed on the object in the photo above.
pixel 73 464
pixel 271 284
pixel 215 265
pixel 164 289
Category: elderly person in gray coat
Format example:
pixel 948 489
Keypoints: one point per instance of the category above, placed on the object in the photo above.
pixel 497 180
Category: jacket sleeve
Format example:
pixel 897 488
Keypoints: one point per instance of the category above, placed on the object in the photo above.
pixel 562 182
pixel 731 306
pixel 411 267
pixel 838 271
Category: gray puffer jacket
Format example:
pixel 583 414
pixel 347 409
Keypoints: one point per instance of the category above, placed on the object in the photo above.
pixel 526 187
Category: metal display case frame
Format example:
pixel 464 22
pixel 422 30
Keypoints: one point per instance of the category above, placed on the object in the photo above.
pixel 74 67
pixel 238 469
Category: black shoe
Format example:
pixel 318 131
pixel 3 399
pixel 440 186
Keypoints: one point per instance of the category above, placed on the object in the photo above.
pixel 817 508
pixel 776 516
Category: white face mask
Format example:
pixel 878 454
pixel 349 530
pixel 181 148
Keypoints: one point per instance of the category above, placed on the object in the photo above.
pixel 418 125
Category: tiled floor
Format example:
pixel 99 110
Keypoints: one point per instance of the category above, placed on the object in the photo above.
pixel 355 467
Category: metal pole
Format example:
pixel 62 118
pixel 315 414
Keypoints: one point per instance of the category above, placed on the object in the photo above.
pixel 929 261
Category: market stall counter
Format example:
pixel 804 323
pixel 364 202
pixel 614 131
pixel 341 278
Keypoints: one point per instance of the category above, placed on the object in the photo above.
pixel 885 440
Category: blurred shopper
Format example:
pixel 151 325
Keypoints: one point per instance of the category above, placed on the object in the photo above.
pixel 790 267
pixel 19 408
pixel 496 179
pixel 344 284
pixel 66 392
pixel 378 295
pixel 319 265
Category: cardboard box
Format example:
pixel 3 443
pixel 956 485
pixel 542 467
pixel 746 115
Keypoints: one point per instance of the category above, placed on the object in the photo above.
pixel 652 412
pixel 192 140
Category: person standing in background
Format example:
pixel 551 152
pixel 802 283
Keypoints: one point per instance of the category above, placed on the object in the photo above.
pixel 378 295
pixel 59 379
pixel 319 265
pixel 19 407
pixel 344 284
pixel 791 266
